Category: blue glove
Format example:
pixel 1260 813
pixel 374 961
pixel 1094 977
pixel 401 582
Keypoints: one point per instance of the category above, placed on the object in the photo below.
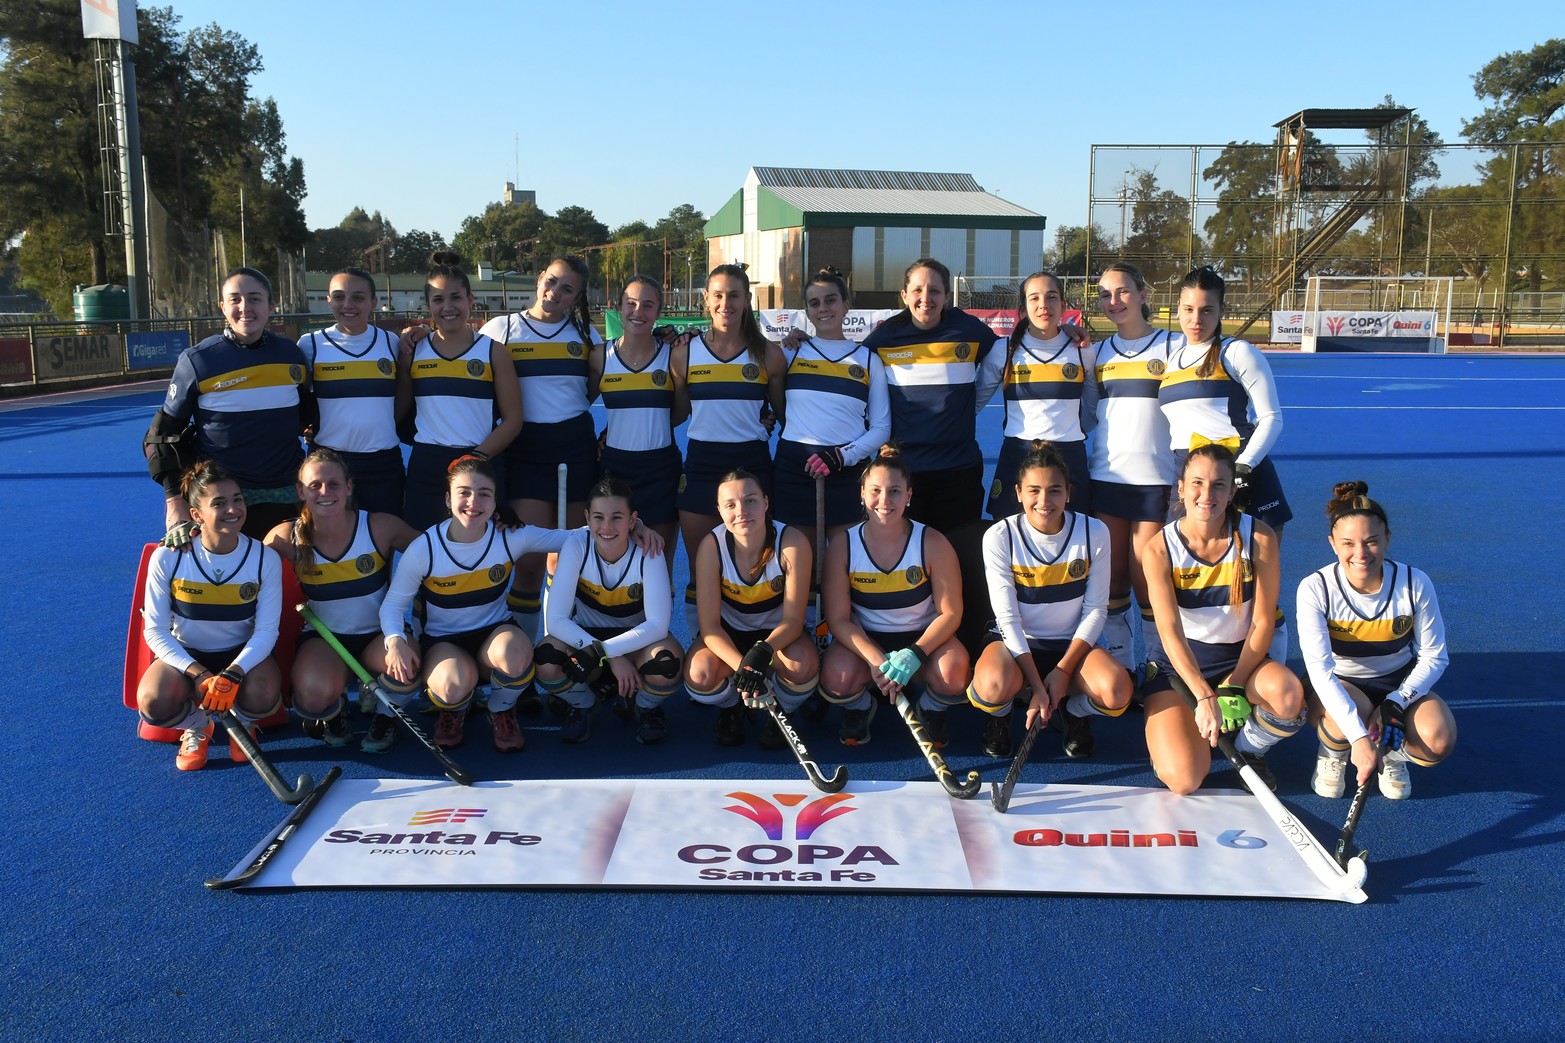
pixel 1393 729
pixel 1233 706
pixel 901 665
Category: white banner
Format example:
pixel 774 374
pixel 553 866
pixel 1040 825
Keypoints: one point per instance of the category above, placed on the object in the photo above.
pixel 784 835
pixel 1287 327
pixel 1367 323
pixel 776 322
pixel 110 20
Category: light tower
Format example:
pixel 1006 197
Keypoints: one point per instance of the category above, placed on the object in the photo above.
pixel 113 24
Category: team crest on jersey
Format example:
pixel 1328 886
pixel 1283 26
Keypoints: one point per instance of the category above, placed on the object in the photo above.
pixel 915 575
pixel 856 371
pixel 248 591
pixel 1401 625
pixel 296 373
pixel 777 584
pixel 633 592
pixel 496 573
pixel 659 379
pixel 682 481
pixel 385 367
pixel 1249 570
pixel 963 351
pixel 475 368
pixel 1076 569
pixel 996 489
pixel 574 349
pixel 1070 371
pixel 365 563
pixel 1156 367
pixel 750 371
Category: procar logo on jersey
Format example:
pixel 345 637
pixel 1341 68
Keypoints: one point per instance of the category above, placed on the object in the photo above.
pixel 799 861
pixel 446 816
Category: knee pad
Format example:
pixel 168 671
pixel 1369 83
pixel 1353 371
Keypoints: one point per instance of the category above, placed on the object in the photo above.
pixel 177 719
pixel 395 693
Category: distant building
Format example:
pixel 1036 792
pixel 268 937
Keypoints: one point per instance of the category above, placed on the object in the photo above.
pixel 787 222
pixel 517 196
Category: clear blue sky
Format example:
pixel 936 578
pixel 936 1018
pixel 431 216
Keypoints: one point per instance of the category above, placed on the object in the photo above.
pixel 630 109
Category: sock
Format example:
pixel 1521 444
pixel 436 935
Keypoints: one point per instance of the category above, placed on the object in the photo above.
pixel 1263 731
pixel 1330 745
pixel 791 697
pixel 1116 636
pixel 1002 710
pixel 396 693
pixel 505 689
pixel 722 697
pixel 654 690
pixel 1079 705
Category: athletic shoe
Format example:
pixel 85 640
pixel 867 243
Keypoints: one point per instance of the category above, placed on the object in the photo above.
pixel 236 752
pixel 366 698
pixel 559 707
pixel 529 703
pixel 314 727
pixel 935 725
pixel 997 736
pixel 1331 774
pixel 577 727
pixel 449 728
pixel 193 744
pixel 651 726
pixel 382 733
pixel 1079 744
pixel 1395 781
pixel 771 737
pixel 730 725
pixel 855 726
pixel 335 731
pixel 508 736
pixel 624 709
pixel 1258 762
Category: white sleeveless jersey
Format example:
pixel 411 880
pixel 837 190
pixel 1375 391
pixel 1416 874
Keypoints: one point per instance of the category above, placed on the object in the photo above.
pixel 1042 387
pixel 1129 446
pixel 827 392
pixel 1203 588
pixel 752 604
pixel 346 592
pixel 639 403
pixel 454 398
pixel 725 397
pixel 897 600
pixel 355 383
pixel 462 585
pixel 550 361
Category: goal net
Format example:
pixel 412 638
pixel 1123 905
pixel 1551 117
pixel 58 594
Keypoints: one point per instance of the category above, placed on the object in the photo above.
pixel 1406 313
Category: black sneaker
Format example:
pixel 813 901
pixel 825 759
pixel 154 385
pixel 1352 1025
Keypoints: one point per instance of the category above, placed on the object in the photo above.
pixel 997 736
pixel 314 727
pixel 855 726
pixel 1256 761
pixel 935 726
pixel 771 737
pixel 1079 744
pixel 559 707
pixel 335 731
pixel 651 726
pixel 382 733
pixel 730 725
pixel 577 726
pixel 529 704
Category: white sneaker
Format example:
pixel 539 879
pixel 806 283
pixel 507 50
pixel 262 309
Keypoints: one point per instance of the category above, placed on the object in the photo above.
pixel 1330 778
pixel 1395 781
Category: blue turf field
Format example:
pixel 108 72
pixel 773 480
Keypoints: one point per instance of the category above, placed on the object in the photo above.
pixel 109 934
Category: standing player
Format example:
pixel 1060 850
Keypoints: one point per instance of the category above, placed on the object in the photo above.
pixel 450 381
pixel 353 373
pixel 642 406
pixel 1210 393
pixel 557 358
pixel 342 558
pixel 1212 579
pixel 1132 468
pixel 837 414
pixel 892 624
pixel 615 622
pixel 234 399
pixel 1048 582
pixel 752 581
pixel 731 375
pixel 211 614
pixel 1042 374
pixel 1374 646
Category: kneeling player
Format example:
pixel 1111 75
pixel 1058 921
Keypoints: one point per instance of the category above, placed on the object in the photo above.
pixel 1048 572
pixel 602 640
pixel 1374 646
pixel 211 614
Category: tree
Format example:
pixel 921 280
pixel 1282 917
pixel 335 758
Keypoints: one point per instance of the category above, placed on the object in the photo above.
pixel 1158 240
pixel 1242 229
pixel 505 237
pixel 1068 257
pixel 569 230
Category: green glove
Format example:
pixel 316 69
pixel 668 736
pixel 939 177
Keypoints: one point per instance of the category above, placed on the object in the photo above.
pixel 1232 704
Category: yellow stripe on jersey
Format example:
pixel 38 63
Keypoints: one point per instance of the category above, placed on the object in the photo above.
pixel 1204 577
pixel 938 353
pixel 213 593
pixel 651 380
pixel 612 601
pixel 546 350
pixel 726 373
pixel 349 570
pixel 469 582
pixel 267 375
pixel 358 369
pixel 1046 575
pixel 1187 376
pixel 750 596
pixel 460 368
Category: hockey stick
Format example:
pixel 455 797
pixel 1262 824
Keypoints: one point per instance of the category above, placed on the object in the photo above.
pixel 454 771
pixel 1341 879
pixel 822 632
pixel 279 836
pixel 1345 838
pixel 239 735
pixel 811 768
pixel 964 790
pixel 1000 792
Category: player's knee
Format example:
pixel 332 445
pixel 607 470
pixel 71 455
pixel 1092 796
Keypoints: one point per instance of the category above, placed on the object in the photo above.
pixel 1181 782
